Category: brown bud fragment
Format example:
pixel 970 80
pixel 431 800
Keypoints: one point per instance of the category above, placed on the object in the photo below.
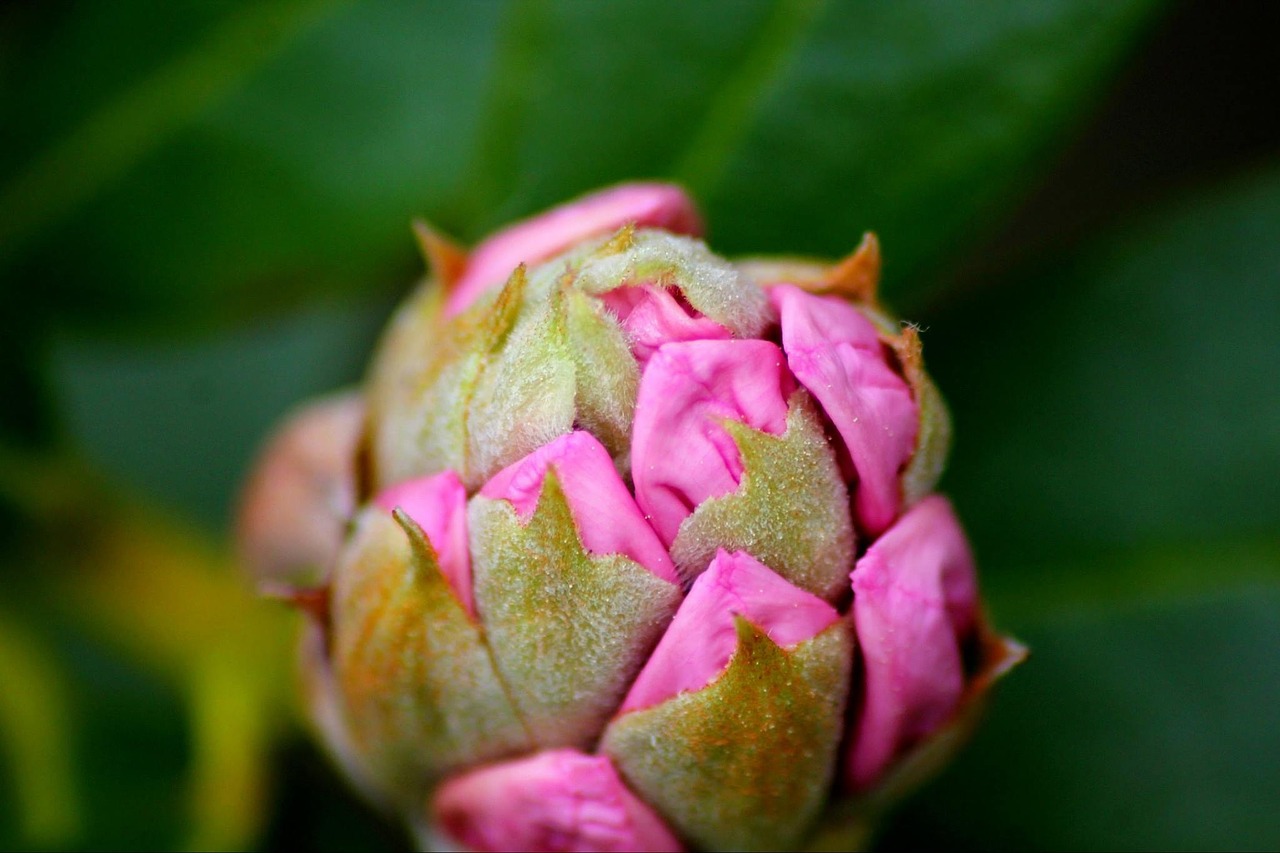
pixel 294 511
pixel 445 259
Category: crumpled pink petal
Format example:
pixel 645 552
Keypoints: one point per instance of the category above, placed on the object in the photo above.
pixel 680 452
pixel 534 240
pixel 703 636
pixel 607 518
pixel 835 352
pixel 559 800
pixel 653 315
pixel 915 604
pixel 438 504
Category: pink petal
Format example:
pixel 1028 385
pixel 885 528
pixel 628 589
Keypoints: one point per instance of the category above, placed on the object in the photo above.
pixel 915 604
pixel 680 452
pixel 438 504
pixel 560 800
pixel 702 637
pixel 548 234
pixel 836 353
pixel 607 518
pixel 653 315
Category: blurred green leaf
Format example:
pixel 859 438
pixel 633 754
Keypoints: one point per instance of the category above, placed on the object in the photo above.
pixel 1124 395
pixel 179 420
pixel 1147 727
pixel 114 135
pixel 1115 463
pixel 300 178
pixel 799 122
pixel 168 683
pixel 132 749
pixel 36 734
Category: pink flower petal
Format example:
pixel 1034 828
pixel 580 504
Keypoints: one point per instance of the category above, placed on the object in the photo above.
pixel 438 504
pixel 559 800
pixel 703 636
pixel 836 353
pixel 606 515
pixel 652 315
pixel 680 452
pixel 544 236
pixel 915 604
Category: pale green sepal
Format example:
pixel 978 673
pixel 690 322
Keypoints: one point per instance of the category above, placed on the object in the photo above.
pixel 932 446
pixel 790 512
pixel 413 353
pixel 415 680
pixel 746 762
pixel 608 377
pixel 424 378
pixel 524 394
pixel 709 283
pixel 569 630
pixel 933 442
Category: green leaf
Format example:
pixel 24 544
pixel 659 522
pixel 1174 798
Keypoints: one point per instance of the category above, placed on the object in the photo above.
pixel 1125 394
pixel 799 124
pixel 204 181
pixel 1142 727
pixel 1115 463
pixel 125 126
pixel 300 177
pixel 36 734
pixel 179 421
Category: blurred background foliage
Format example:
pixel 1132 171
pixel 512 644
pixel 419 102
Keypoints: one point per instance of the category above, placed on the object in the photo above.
pixel 204 213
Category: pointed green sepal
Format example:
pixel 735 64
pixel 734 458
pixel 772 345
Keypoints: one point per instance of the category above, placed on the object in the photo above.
pixel 933 443
pixel 791 511
pixel 524 395
pixel 607 374
pixel 416 684
pixel 423 379
pixel 746 762
pixel 569 630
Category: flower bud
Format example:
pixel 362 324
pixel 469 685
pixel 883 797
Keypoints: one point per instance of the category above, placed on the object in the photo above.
pixel 416 685
pixel 614 490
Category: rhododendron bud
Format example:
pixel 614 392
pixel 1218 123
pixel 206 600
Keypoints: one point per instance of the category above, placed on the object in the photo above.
pixel 643 552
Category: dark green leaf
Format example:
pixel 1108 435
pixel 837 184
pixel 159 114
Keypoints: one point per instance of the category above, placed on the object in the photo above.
pixel 180 421
pixel 802 124
pixel 1115 463
pixel 1123 395
pixel 215 180
pixel 1146 727
pixel 299 178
